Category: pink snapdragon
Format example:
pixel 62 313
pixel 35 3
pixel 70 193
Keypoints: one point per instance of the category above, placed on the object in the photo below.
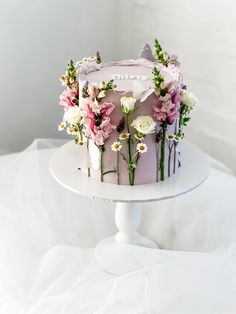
pixel 96 120
pixel 93 91
pixel 69 97
pixel 167 107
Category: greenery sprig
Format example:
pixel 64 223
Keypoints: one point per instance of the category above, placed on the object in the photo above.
pixel 184 118
pixel 107 86
pixel 161 55
pixel 158 81
pixel 69 78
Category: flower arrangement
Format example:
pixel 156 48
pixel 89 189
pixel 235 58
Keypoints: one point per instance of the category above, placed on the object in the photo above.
pixel 173 106
pixel 88 116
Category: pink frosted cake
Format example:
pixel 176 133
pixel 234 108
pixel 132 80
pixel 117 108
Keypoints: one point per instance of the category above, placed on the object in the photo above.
pixel 129 115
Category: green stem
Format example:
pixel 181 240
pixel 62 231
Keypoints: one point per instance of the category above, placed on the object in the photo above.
pixel 157 160
pixel 129 148
pixel 175 148
pixel 88 157
pixel 109 171
pixel 117 168
pixel 81 134
pixel 133 172
pixel 163 144
pixel 179 162
pixel 180 120
pixel 174 157
pixel 169 158
pixel 101 163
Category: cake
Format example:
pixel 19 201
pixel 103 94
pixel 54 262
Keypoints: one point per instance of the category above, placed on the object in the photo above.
pixel 129 115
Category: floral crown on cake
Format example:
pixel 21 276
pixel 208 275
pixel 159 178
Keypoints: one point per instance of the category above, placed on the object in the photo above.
pixel 87 112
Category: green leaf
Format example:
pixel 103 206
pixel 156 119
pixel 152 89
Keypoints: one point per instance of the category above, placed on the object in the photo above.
pixel 186 119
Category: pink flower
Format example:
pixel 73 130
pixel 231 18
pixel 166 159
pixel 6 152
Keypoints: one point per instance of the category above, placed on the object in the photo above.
pixel 69 97
pixel 96 120
pixel 89 107
pixel 107 108
pixel 167 107
pixel 93 91
pixel 74 91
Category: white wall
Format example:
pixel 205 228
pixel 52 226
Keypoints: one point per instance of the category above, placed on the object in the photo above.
pixel 37 38
pixel 203 34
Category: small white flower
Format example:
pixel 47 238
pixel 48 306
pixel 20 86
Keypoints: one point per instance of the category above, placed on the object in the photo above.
pixel 144 124
pixel 63 80
pixel 72 115
pixel 116 146
pixel 177 138
pixel 61 126
pixel 171 137
pixel 127 104
pixel 72 80
pixel 85 61
pixel 124 136
pixel 102 94
pixel 71 130
pixel 189 99
pixel 141 148
pixel 102 85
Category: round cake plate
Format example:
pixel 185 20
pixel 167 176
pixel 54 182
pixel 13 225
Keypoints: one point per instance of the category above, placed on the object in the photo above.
pixel 115 254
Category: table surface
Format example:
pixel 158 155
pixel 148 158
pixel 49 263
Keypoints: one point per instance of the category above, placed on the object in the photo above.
pixel 194 170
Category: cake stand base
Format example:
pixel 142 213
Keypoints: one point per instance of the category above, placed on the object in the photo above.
pixel 119 259
pixel 113 254
pixel 128 251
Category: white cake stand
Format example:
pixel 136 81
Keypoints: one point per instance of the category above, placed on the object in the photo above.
pixel 114 254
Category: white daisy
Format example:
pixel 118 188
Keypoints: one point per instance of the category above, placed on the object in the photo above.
pixel 116 146
pixel 171 137
pixel 124 136
pixel 177 138
pixel 61 126
pixel 71 130
pixel 142 148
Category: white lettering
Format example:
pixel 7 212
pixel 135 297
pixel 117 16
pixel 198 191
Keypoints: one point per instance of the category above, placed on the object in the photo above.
pixel 117 76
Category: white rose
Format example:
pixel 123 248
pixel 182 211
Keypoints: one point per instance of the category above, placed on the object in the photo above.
pixel 72 115
pixel 189 99
pixel 127 104
pixel 144 124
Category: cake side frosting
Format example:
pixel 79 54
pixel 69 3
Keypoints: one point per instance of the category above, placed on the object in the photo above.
pixel 126 73
pixel 130 115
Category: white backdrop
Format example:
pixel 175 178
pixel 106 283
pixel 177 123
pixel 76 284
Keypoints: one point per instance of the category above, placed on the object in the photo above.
pixel 202 33
pixel 37 38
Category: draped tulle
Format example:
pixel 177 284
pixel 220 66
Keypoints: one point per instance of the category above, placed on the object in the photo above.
pixel 48 235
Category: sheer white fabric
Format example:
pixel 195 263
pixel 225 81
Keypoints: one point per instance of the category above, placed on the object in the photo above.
pixel 48 234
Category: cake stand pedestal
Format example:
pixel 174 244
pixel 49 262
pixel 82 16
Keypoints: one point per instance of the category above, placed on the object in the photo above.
pixel 114 254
